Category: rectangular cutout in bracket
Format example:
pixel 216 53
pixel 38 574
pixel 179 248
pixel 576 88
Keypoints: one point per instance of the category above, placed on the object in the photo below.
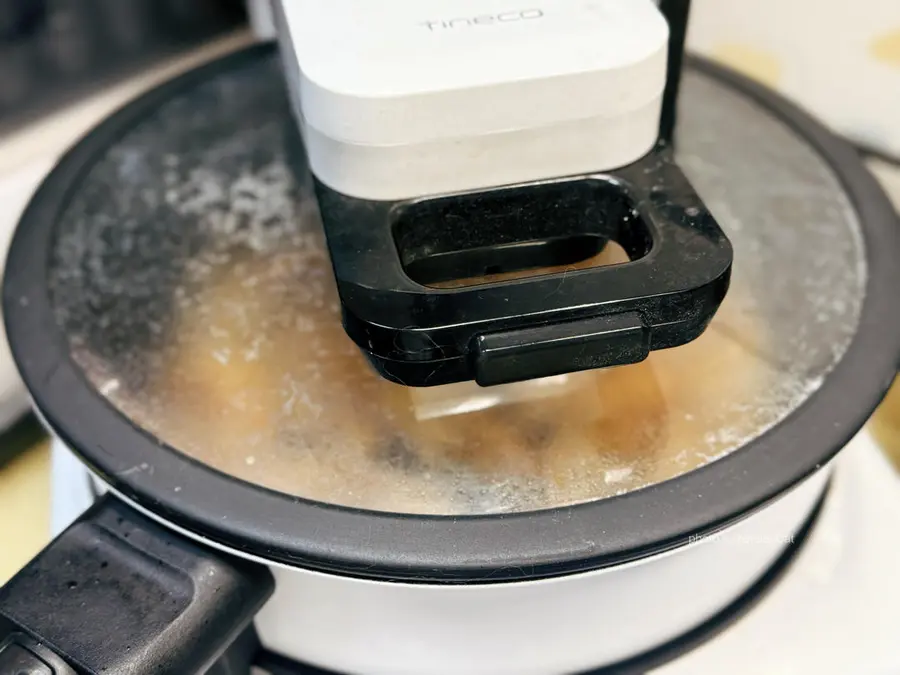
pixel 531 230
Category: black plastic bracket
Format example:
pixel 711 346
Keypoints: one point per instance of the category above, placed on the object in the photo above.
pixel 116 594
pixel 677 13
pixel 390 260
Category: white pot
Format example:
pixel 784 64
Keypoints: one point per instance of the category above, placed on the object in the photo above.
pixel 560 625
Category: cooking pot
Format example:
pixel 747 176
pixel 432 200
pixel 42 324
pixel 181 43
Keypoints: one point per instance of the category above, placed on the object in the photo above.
pixel 265 498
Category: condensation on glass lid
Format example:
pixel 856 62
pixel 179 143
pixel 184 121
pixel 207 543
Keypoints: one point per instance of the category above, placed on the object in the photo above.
pixel 192 279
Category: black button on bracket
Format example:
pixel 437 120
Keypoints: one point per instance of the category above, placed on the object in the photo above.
pixel 555 349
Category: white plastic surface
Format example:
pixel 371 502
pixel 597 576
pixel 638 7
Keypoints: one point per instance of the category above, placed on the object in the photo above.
pixel 397 72
pixel 453 88
pixel 454 165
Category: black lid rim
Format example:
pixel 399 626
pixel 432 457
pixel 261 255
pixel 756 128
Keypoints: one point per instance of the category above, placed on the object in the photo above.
pixel 432 549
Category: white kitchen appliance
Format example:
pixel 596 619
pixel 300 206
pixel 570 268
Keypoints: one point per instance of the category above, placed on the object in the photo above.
pixel 415 101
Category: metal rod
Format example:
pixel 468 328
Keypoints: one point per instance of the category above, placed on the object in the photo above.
pixel 676 13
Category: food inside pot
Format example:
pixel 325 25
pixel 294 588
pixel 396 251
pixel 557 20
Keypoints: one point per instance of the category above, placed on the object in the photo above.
pixel 189 275
pixel 262 382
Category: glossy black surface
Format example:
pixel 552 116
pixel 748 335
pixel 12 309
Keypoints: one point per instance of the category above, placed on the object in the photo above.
pixel 678 274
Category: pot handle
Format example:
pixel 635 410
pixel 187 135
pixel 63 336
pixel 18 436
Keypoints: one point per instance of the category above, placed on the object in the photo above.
pixel 116 593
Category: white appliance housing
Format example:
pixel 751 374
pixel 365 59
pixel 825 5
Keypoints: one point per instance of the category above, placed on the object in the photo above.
pixel 405 99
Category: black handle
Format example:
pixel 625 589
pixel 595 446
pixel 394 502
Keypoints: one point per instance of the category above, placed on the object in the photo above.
pixel 676 13
pixel 116 594
pixel 385 255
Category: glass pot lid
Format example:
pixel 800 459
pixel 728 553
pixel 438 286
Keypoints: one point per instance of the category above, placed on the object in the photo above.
pixel 189 275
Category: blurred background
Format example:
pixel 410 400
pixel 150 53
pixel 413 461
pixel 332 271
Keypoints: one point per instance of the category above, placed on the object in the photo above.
pixel 66 64
pixel 838 59
pixel 843 66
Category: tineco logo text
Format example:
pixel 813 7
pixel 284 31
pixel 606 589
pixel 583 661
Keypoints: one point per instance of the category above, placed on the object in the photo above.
pixel 484 20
